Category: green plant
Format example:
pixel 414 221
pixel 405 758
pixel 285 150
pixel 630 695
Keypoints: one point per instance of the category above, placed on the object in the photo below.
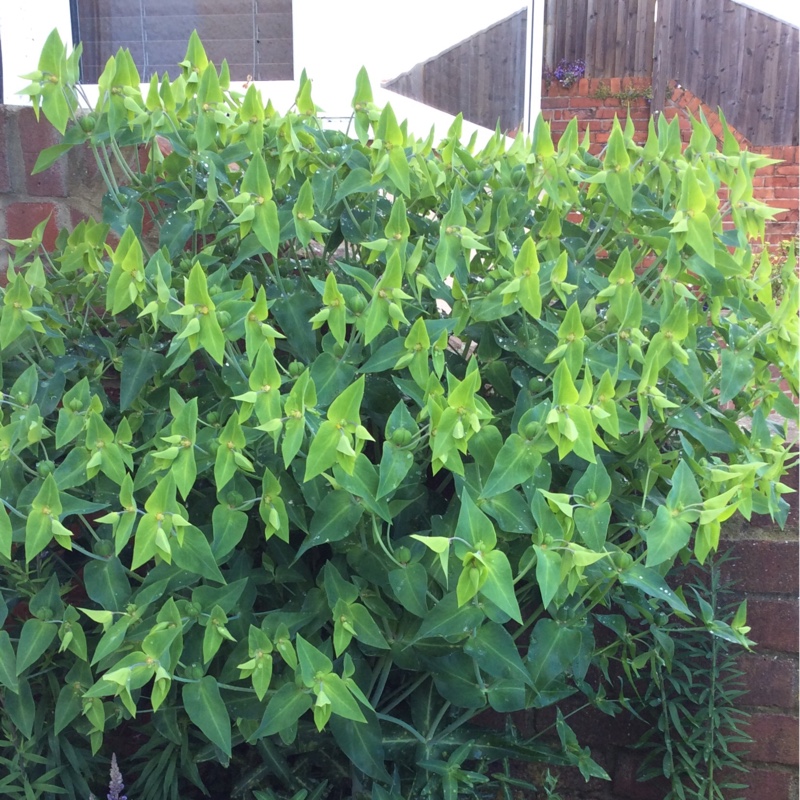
pixel 626 95
pixel 343 440
pixel 695 687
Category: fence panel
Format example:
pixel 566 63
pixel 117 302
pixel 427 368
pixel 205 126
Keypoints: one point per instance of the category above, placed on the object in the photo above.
pixel 737 58
pixel 482 77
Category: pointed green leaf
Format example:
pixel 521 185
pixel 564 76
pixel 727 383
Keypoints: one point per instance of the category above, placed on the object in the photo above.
pixel 206 709
pixel 34 639
pixel 499 584
pixel 514 464
pixel 287 705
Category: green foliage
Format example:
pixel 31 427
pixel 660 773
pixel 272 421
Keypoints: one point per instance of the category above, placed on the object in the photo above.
pixel 340 441
pixel 693 693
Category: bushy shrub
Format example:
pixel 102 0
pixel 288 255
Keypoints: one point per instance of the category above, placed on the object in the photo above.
pixel 320 444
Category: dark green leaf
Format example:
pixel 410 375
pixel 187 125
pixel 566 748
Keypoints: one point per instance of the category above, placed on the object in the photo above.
pixel 206 709
pixel 446 618
pixel 737 371
pixel 21 708
pixel 287 705
pixel 175 232
pixel 34 639
pixel 335 519
pixel 514 465
pixel 651 583
pixel 138 367
pixel 410 585
pixel 362 743
pixel 107 583
pixel 195 555
pixel 495 652
pixel 666 536
pixel 8 663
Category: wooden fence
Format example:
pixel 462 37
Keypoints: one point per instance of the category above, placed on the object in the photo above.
pixel 613 37
pixel 482 77
pixel 733 57
pixel 726 54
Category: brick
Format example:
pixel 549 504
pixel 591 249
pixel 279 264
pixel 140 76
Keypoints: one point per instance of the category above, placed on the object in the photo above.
pixel 22 218
pixel 783 191
pixel 34 137
pixel 592 727
pixel 773 623
pixel 765 784
pixel 585 102
pixel 775 739
pixel 50 183
pixel 76 216
pixel 763 566
pixel 626 786
pixel 5 181
pixel 771 681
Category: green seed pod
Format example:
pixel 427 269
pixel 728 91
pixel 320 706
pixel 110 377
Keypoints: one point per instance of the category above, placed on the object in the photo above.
pixel 224 318
pixel 401 437
pixel 104 548
pixel 532 430
pixel 296 368
pixel 234 499
pixel 44 468
pixel 193 610
pixel 23 398
pixel 194 672
pixel 622 560
pixel 87 123
pixel 536 384
pixel 357 303
pixel 403 555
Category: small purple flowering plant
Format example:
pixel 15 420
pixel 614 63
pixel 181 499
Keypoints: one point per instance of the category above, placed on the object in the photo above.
pixel 115 785
pixel 567 73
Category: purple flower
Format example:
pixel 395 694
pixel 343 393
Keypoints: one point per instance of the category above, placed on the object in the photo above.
pixel 567 72
pixel 115 785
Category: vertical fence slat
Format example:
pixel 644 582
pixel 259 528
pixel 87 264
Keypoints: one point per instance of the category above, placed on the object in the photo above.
pixel 591 28
pixel 549 32
pixel 662 66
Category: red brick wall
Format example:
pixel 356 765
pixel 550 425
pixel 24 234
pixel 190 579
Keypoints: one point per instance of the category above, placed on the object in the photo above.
pixel 69 190
pixel 590 101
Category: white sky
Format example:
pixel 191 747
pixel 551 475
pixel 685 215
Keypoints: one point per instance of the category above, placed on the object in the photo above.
pixel 334 40
pixel 788 10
